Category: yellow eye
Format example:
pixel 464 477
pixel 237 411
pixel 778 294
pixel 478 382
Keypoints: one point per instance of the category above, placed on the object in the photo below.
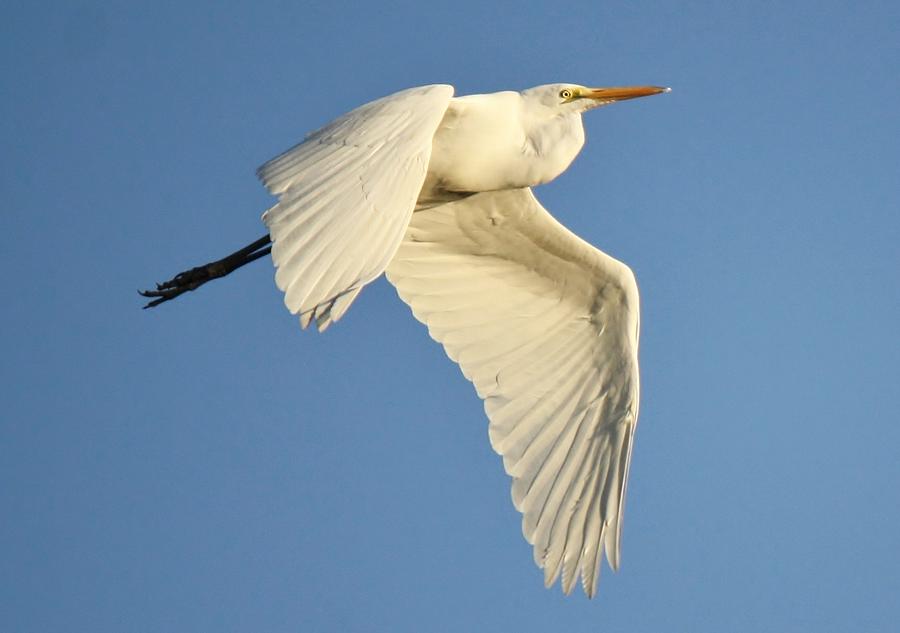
pixel 565 93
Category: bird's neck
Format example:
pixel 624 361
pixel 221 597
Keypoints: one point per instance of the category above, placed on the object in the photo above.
pixel 485 146
pixel 552 143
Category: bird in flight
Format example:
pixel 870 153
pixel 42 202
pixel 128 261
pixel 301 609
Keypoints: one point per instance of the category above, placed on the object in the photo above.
pixel 435 191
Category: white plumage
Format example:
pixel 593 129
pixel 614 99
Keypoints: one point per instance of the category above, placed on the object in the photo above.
pixel 346 195
pixel 435 191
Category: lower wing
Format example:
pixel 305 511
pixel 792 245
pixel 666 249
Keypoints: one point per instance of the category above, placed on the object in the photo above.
pixel 546 328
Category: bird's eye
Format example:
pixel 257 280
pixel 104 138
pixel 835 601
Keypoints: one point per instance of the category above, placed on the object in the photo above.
pixel 565 93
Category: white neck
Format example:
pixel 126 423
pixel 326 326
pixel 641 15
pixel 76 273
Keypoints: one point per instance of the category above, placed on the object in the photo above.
pixel 554 142
pixel 492 142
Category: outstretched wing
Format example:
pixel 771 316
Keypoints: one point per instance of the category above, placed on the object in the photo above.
pixel 546 327
pixel 346 194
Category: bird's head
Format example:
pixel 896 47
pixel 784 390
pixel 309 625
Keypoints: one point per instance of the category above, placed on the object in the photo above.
pixel 572 98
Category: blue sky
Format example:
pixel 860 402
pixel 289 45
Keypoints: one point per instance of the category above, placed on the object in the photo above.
pixel 209 467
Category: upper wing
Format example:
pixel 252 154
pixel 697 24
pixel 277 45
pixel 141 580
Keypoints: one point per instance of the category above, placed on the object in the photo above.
pixel 345 197
pixel 546 327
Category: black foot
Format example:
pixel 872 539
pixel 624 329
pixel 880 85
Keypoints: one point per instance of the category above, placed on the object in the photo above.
pixel 196 277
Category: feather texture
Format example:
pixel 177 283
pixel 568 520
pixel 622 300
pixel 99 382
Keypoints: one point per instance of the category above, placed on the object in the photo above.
pixel 546 328
pixel 346 195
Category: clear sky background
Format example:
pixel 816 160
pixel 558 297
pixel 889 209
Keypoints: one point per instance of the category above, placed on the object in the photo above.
pixel 208 466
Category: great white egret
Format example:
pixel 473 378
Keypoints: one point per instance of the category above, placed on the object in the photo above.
pixel 435 191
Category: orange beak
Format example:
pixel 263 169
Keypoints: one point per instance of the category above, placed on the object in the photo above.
pixel 623 93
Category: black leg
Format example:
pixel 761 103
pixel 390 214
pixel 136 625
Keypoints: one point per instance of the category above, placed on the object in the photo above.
pixel 196 277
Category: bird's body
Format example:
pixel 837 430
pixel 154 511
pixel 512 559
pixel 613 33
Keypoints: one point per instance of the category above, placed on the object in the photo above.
pixel 435 192
pixel 493 142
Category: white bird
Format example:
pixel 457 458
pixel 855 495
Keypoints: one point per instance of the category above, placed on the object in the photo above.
pixel 435 191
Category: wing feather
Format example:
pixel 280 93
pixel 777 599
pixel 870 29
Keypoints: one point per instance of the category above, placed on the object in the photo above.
pixel 346 195
pixel 546 328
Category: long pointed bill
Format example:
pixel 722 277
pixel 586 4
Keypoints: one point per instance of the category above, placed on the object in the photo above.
pixel 608 95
